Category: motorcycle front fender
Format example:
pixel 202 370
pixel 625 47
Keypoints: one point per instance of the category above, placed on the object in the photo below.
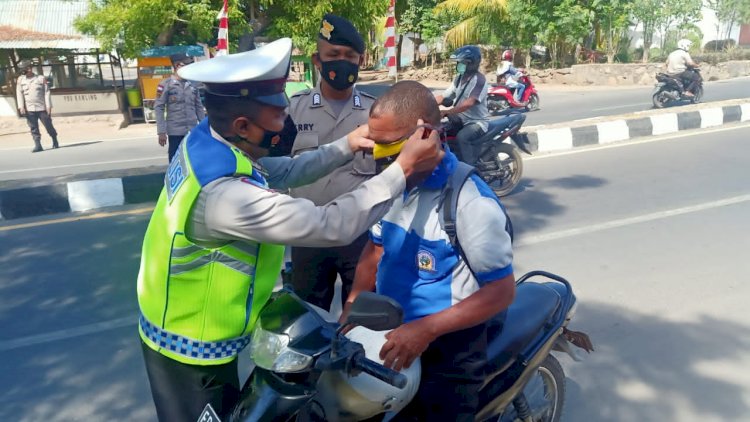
pixel 658 87
pixel 265 397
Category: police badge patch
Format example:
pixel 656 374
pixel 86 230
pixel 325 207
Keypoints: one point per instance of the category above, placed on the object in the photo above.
pixel 425 261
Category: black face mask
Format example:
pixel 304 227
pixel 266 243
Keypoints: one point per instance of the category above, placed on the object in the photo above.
pixel 340 74
pixel 268 140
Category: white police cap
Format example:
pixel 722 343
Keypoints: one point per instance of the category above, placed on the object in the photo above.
pixel 258 74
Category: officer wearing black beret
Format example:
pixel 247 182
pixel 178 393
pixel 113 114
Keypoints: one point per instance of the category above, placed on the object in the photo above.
pixel 319 116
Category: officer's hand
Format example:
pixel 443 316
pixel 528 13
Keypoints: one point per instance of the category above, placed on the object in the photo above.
pixel 358 139
pixel 162 139
pixel 21 110
pixel 419 157
pixel 404 344
pixel 49 111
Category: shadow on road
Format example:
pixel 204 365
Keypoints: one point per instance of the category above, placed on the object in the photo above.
pixel 666 371
pixel 79 144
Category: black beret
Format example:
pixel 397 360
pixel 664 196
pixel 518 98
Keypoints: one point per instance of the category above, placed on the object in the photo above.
pixel 339 31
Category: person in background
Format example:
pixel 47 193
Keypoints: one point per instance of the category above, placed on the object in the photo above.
pixel 678 64
pixel 318 117
pixel 508 72
pixel 180 101
pixel 35 102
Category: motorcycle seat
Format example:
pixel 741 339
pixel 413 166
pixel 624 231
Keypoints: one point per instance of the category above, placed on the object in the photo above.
pixel 510 332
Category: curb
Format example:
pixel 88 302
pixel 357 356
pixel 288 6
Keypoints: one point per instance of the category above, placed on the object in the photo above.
pixel 86 192
pixel 593 132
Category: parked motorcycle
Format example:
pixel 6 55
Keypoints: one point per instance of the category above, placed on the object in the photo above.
pixel 500 164
pixel 306 370
pixel 500 97
pixel 670 89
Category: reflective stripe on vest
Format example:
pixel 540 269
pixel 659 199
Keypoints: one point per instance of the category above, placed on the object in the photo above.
pixel 203 350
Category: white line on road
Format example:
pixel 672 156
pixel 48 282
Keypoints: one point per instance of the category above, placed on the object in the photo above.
pixel 68 333
pixel 526 241
pixel 593 228
pixel 620 106
pixel 161 157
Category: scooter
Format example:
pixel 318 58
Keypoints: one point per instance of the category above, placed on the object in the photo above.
pixel 499 164
pixel 307 370
pixel 500 97
pixel 671 89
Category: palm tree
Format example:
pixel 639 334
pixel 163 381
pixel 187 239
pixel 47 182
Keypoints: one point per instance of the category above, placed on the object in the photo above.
pixel 480 20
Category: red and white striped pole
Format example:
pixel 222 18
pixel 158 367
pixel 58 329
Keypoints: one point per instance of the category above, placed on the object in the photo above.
pixel 222 47
pixel 390 41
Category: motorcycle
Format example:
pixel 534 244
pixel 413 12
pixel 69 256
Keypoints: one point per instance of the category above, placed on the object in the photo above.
pixel 669 89
pixel 500 97
pixel 499 164
pixel 307 370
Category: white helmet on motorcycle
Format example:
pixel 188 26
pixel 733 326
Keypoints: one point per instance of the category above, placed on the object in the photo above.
pixel 684 44
pixel 365 396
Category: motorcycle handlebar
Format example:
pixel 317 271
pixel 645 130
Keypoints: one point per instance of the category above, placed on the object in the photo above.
pixel 380 372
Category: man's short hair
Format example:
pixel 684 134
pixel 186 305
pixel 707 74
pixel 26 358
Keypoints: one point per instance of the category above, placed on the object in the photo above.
pixel 408 101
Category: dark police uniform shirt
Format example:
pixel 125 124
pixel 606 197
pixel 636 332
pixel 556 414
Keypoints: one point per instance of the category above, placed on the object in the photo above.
pixel 182 102
pixel 316 124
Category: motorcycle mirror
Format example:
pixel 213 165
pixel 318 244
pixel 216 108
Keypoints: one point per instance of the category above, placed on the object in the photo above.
pixel 376 312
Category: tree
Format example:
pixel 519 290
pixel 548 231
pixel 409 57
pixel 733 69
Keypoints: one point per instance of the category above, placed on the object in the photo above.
pixel 133 25
pixel 648 14
pixel 479 20
pixel 613 16
pixel 677 12
pixel 729 12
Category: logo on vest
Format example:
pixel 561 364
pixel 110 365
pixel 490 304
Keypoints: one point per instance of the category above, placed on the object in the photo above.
pixel 176 173
pixel 316 99
pixel 425 261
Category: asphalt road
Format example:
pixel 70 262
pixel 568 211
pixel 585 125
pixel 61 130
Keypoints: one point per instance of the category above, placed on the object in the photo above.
pixel 91 154
pixel 654 237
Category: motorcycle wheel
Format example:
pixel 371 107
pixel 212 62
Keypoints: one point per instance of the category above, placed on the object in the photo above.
pixel 545 393
pixel 659 100
pixel 505 160
pixel 533 102
pixel 497 106
pixel 698 94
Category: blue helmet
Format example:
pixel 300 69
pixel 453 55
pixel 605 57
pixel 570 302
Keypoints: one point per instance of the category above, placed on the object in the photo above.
pixel 470 55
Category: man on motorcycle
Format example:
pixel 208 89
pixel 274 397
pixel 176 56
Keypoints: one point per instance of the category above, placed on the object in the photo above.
pixel 506 70
pixel 447 295
pixel 468 117
pixel 678 64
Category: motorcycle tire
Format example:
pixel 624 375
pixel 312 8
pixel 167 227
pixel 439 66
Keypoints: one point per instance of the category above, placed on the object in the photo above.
pixel 544 393
pixel 659 100
pixel 497 106
pixel 503 158
pixel 697 95
pixel 533 103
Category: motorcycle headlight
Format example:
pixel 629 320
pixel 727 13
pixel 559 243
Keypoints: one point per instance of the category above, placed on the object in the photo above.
pixel 269 351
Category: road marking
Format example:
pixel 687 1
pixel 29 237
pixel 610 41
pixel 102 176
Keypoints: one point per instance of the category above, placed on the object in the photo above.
pixel 74 143
pixel 95 216
pixel 645 140
pixel 68 333
pixel 83 165
pixel 593 228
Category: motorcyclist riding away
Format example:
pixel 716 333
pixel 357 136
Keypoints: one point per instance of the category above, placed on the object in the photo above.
pixel 506 70
pixel 678 64
pixel 467 95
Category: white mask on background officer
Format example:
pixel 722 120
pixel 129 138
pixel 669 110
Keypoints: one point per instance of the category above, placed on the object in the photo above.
pixel 340 52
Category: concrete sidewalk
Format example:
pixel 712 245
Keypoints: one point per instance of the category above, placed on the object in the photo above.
pixel 142 184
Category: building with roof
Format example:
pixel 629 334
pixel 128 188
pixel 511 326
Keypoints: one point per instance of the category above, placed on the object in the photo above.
pixel 83 78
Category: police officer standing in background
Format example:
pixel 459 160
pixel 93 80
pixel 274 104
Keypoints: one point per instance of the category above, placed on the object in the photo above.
pixel 182 102
pixel 34 100
pixel 320 116
pixel 211 254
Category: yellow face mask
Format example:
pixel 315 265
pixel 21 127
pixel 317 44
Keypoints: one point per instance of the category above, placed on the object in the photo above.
pixel 385 154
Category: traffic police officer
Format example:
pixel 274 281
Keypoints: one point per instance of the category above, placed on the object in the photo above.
pixel 320 116
pixel 182 102
pixel 211 254
pixel 34 100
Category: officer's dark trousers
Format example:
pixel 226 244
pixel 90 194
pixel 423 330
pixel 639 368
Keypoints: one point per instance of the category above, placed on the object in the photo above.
pixel 452 372
pixel 690 79
pixel 174 143
pixel 314 271
pixel 468 142
pixel 33 118
pixel 181 391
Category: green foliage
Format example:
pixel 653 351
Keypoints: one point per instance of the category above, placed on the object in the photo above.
pixel 133 25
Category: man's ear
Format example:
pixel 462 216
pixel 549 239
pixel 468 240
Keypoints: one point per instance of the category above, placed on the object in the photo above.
pixel 316 60
pixel 241 126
